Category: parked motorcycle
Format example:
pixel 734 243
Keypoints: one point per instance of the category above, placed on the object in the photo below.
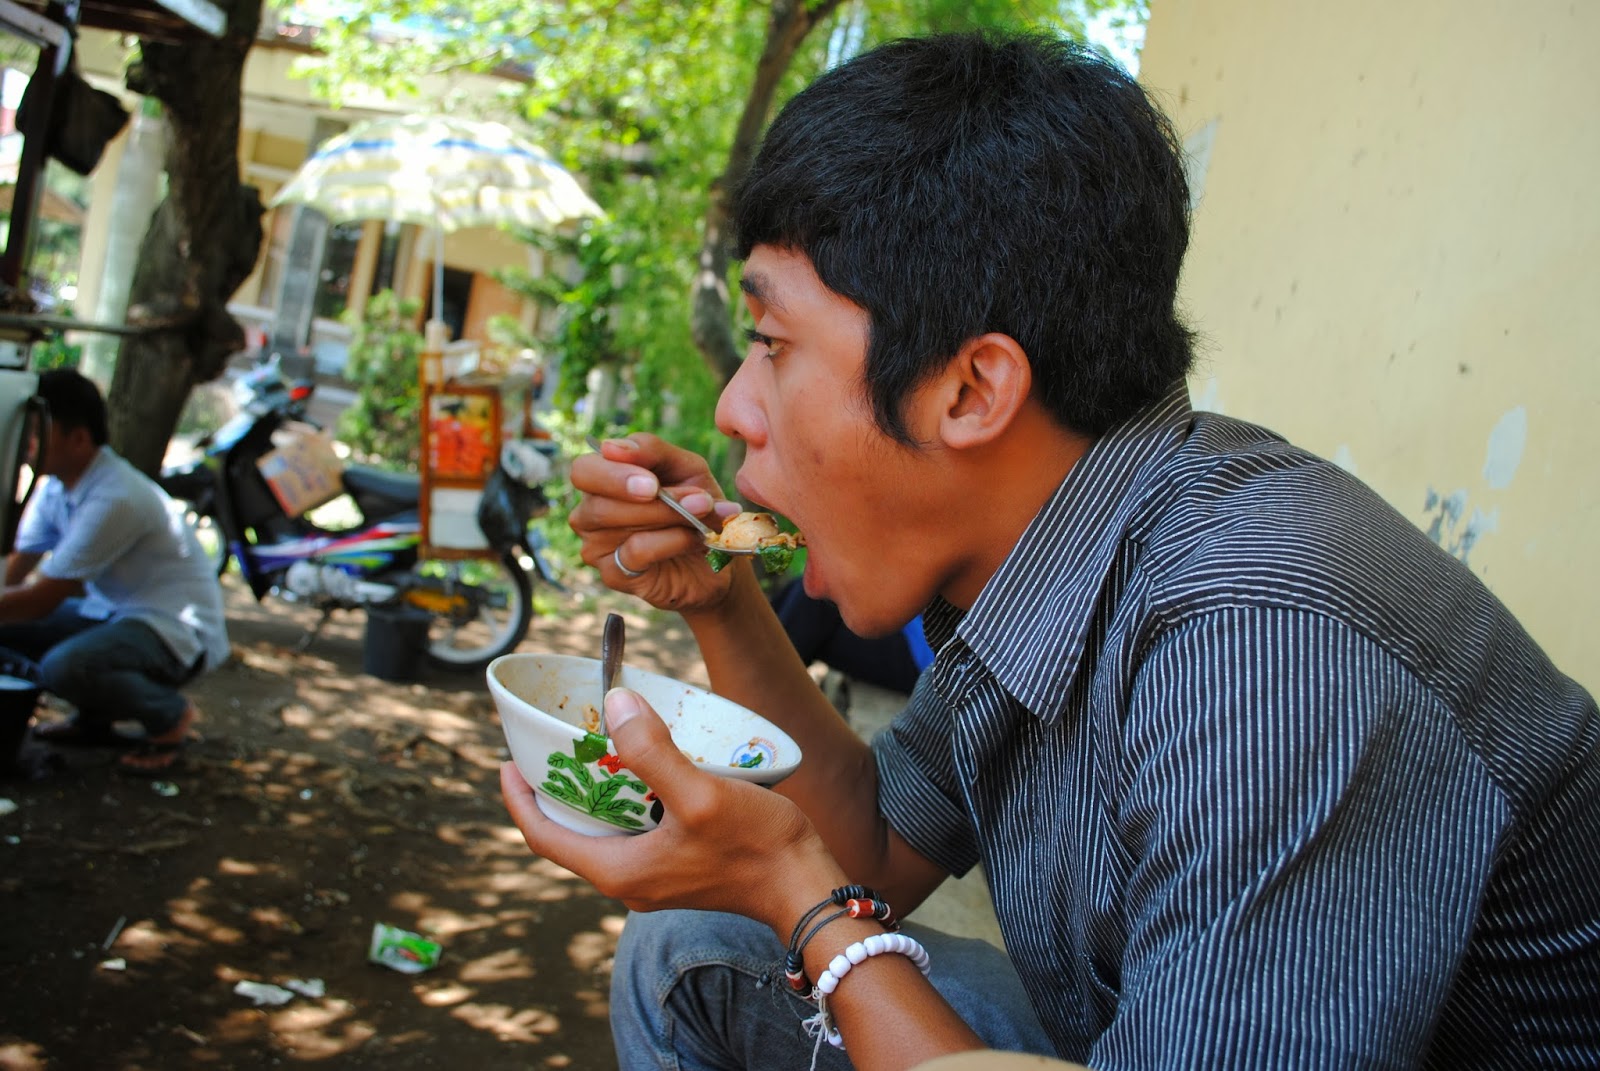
pixel 480 608
pixel 263 388
pixel 269 385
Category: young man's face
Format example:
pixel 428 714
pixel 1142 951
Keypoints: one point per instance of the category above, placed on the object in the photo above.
pixel 60 448
pixel 815 455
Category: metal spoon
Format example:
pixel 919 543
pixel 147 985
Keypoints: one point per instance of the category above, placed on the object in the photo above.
pixel 700 526
pixel 611 644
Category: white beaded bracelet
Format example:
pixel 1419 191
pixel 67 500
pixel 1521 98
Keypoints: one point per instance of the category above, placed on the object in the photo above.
pixel 876 945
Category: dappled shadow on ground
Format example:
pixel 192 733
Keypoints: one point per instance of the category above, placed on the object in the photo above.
pixel 320 801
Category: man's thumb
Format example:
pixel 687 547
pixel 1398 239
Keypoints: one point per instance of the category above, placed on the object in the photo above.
pixel 622 706
pixel 638 733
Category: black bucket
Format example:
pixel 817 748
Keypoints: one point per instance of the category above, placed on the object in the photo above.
pixel 19 697
pixel 396 639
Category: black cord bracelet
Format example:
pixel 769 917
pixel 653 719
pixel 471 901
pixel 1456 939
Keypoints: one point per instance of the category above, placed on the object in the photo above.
pixel 857 901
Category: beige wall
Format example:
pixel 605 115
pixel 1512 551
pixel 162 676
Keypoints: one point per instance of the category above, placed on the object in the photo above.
pixel 1395 264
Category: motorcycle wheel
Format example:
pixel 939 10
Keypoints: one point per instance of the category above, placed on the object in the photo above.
pixel 498 608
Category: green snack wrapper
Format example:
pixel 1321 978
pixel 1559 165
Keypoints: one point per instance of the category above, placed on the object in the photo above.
pixel 402 950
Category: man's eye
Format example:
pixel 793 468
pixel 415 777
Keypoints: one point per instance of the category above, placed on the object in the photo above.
pixel 757 338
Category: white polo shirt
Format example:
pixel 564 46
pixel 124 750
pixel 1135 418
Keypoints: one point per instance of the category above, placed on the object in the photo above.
pixel 136 556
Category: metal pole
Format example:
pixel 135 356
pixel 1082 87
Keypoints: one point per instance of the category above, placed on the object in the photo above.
pixel 55 54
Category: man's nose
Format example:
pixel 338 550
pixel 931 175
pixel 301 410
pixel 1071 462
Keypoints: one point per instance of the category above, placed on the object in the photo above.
pixel 738 414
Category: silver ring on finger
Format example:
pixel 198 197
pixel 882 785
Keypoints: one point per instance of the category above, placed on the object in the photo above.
pixel 616 559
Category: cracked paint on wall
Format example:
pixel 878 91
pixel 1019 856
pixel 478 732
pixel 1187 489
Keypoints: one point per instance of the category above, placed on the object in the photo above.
pixel 1451 526
pixel 1506 444
pixel 1345 459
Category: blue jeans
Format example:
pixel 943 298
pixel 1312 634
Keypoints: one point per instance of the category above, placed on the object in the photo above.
pixel 695 990
pixel 110 670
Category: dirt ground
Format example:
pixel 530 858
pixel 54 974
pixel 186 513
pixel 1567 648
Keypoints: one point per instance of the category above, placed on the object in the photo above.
pixel 320 801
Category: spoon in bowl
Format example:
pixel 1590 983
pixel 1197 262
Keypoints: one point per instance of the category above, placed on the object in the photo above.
pixel 611 643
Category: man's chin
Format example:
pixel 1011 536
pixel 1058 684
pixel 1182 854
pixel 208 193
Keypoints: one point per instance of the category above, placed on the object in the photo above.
pixel 867 625
pixel 866 620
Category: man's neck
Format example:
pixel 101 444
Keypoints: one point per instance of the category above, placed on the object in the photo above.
pixel 1020 474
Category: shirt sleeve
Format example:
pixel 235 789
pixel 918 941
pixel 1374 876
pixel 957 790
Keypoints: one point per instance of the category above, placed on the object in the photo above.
pixel 101 530
pixel 1310 834
pixel 35 533
pixel 919 792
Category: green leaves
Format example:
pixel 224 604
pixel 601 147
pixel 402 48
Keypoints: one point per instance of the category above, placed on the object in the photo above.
pixel 590 748
pixel 776 559
pixel 384 424
pixel 569 779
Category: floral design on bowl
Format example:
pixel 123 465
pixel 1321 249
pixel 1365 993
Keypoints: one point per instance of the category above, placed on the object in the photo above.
pixel 608 799
pixel 548 709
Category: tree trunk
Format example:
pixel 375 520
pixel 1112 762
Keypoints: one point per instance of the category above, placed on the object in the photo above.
pixel 711 321
pixel 202 242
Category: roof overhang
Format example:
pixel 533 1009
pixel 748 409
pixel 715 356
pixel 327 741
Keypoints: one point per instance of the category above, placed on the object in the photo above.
pixel 155 18
pixel 159 20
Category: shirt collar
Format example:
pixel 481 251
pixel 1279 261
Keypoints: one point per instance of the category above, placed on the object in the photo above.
pixel 91 474
pixel 1030 623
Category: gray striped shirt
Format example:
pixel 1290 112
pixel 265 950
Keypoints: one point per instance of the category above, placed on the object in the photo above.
pixel 1259 776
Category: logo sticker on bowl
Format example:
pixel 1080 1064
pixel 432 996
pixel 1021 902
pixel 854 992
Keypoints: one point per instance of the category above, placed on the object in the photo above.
pixel 757 752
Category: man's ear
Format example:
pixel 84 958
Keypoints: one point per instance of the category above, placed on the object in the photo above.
pixel 982 390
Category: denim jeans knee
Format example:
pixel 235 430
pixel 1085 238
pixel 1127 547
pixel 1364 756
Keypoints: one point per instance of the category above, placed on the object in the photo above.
pixel 114 670
pixel 695 990
pixel 66 674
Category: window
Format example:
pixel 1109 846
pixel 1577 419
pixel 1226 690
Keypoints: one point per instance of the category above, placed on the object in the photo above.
pixel 338 261
pixel 385 270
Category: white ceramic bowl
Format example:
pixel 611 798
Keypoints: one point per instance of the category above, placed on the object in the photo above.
pixel 550 704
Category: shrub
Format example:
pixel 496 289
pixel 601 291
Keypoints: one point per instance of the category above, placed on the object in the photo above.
pixel 383 425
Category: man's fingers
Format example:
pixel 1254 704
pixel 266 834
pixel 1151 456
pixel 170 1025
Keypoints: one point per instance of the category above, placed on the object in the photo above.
pixel 643 454
pixel 544 836
pixel 596 474
pixel 522 806
pixel 625 474
pixel 650 547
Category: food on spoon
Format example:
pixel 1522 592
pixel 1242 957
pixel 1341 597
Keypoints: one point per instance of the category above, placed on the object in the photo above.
pixel 776 556
pixel 745 531
pixel 759 532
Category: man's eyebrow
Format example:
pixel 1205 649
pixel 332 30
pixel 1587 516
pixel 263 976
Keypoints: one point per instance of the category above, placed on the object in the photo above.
pixel 757 286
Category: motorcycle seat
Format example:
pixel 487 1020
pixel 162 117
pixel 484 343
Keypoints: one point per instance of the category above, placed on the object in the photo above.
pixel 400 488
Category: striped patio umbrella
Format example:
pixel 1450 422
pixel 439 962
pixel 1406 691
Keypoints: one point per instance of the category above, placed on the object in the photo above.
pixel 438 172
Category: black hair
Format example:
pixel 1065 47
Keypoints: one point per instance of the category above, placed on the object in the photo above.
pixel 74 402
pixel 961 184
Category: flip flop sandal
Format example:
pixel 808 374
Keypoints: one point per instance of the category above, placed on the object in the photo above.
pixel 75 733
pixel 169 755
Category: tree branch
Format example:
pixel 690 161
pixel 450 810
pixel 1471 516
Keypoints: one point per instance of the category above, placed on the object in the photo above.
pixel 710 322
